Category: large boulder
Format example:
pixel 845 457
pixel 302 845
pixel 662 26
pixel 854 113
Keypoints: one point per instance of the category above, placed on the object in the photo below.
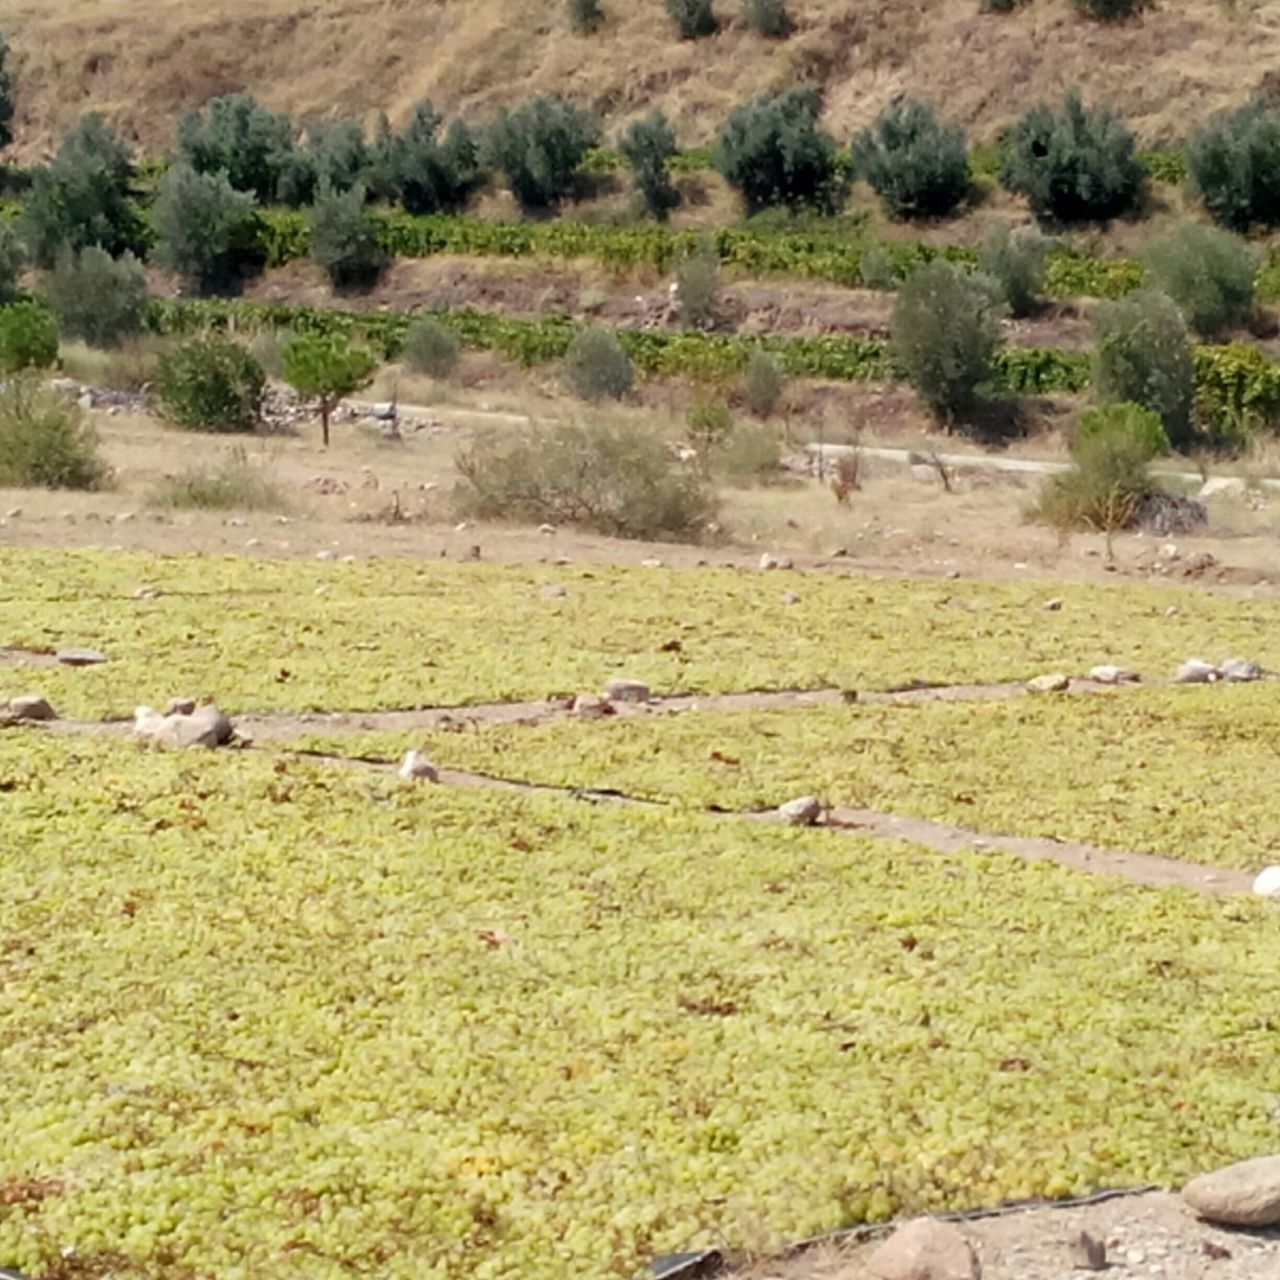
pixel 925 1250
pixel 1241 1195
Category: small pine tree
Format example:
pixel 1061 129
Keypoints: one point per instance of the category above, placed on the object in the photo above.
pixel 768 18
pixel 773 152
pixel 586 17
pixel 1073 166
pixel 944 336
pixel 344 239
pixel 1142 356
pixel 648 146
pixel 693 18
pixel 916 165
pixel 325 368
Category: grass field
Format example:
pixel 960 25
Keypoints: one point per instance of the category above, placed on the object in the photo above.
pixel 263 1017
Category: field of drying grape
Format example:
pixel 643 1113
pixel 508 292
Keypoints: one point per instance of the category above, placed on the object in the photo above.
pixel 269 1014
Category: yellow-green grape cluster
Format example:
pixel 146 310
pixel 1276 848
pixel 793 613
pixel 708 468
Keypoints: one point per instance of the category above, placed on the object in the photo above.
pixel 268 1018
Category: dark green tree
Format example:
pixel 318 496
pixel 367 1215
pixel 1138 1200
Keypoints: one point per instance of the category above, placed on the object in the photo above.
pixel 648 146
pixel 1234 163
pixel 918 166
pixel 539 146
pixel 6 96
pixel 206 231
pixel 344 239
pixel 238 137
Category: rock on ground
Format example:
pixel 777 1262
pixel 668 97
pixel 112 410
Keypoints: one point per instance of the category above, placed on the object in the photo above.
pixel 803 812
pixel 1055 683
pixel 1108 674
pixel 620 690
pixel 1240 670
pixel 590 706
pixel 1267 884
pixel 1196 671
pixel 925 1250
pixel 80 657
pixel 414 768
pixel 31 707
pixel 1241 1195
pixel 204 727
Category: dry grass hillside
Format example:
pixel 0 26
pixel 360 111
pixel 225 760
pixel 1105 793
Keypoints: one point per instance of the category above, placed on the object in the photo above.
pixel 143 62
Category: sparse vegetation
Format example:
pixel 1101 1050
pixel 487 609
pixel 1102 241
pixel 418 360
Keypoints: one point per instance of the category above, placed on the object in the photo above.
pixel 210 384
pixel 431 349
pixel 1208 272
pixel 768 18
pixel 648 146
pixel 97 298
pixel 539 147
pixel 45 443
pixel 432 172
pixel 28 337
pixel 597 367
pixel 326 368
pixel 708 424
pixel 763 383
pixel 613 478
pixel 1075 165
pixel 1111 10
pixel 917 165
pixel 750 455
pixel 1142 355
pixel 206 232
pixel 693 18
pixel 774 153
pixel 1234 162
pixel 944 336
pixel 344 239
pixel 235 483
pixel 1014 260
pixel 1109 480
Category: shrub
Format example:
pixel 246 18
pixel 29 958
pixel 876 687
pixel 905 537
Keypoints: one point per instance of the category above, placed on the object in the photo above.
pixel 429 172
pixel 693 18
pixel 944 337
pixel 1073 166
pixel 773 153
pixel 1014 260
pixel 648 146
pixel 1208 272
pixel 768 18
pixel 131 366
pixel 1234 162
pixel 206 232
pixel 1122 419
pixel 708 425
pixel 752 454
pixel 762 383
pixel 240 139
pixel 597 367
pixel 586 17
pixel 325 368
pixel 1237 393
pixel 1107 485
pixel 336 156
pixel 234 484
pixel 1142 355
pixel 44 442
pixel 698 286
pixel 916 165
pixel 12 259
pixel 875 271
pixel 616 479
pixel 344 239
pixel 82 197
pixel 1111 10
pixel 28 337
pixel 96 297
pixel 539 147
pixel 267 348
pixel 6 96
pixel 211 385
pixel 430 348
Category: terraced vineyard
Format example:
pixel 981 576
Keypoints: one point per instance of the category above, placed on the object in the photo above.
pixel 272 1014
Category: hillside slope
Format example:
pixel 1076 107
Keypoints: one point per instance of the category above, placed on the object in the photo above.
pixel 143 63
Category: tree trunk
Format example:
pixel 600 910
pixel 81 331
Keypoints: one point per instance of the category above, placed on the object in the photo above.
pixel 324 419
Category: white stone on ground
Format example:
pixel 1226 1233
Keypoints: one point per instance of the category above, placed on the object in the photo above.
pixel 1246 1194
pixel 414 768
pixel 803 812
pixel 1054 683
pixel 1196 671
pixel 1267 883
pixel 925 1250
